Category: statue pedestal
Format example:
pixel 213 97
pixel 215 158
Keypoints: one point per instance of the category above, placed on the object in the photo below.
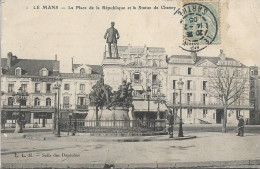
pixel 113 73
pixel 119 113
pixel 117 117
pixel 160 124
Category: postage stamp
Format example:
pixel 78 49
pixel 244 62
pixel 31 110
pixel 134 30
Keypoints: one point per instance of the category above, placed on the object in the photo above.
pixel 201 24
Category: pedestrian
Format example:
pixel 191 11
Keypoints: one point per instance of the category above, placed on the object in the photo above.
pixel 171 123
pixel 241 125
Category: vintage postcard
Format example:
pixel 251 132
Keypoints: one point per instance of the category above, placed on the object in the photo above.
pixel 130 84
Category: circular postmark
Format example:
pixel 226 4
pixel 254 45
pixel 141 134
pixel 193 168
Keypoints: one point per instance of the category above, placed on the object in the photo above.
pixel 200 26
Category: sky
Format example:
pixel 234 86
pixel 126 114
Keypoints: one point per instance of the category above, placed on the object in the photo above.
pixel 41 34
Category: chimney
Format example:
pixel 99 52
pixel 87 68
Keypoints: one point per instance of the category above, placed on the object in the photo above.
pixel 72 65
pixel 9 59
pixel 55 56
pixel 193 54
pixel 222 55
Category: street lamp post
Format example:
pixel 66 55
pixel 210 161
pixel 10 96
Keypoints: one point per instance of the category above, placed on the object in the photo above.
pixel 75 123
pixel 57 87
pixel 20 96
pixel 70 123
pixel 148 93
pixel 158 101
pixel 180 86
pixel 224 123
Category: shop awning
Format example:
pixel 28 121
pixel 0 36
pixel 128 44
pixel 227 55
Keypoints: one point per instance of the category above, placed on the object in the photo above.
pixel 80 112
pixel 141 105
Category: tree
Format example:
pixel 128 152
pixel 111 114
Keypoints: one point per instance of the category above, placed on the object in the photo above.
pixel 227 84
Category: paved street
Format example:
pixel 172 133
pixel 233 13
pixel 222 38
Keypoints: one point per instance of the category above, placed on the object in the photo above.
pixel 212 147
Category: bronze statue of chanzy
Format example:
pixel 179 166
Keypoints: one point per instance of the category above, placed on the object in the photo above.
pixel 111 36
pixel 102 95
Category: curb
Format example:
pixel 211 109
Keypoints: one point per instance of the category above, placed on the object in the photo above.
pixel 136 165
pixel 103 139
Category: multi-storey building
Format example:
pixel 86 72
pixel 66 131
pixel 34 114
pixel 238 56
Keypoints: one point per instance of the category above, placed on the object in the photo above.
pixel 35 78
pixel 76 87
pixel 144 67
pixel 198 105
pixel 255 95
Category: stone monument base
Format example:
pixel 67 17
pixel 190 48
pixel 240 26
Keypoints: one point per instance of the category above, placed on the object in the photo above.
pixel 116 117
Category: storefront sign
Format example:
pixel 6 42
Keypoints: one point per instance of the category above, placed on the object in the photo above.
pixel 43 79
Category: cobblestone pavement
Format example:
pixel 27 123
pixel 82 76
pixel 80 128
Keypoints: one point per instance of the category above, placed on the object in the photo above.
pixel 209 147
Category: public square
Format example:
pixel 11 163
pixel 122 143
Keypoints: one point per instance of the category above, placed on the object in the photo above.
pixel 210 149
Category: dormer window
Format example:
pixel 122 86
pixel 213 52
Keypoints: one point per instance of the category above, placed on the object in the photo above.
pixel 18 71
pixel 82 71
pixel 44 72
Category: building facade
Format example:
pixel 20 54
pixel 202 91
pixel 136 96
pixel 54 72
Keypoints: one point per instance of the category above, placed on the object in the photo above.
pixel 144 67
pixel 35 78
pixel 38 80
pixel 76 87
pixel 255 95
pixel 197 103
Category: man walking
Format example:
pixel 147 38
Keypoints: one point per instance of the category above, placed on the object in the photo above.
pixel 111 36
pixel 241 124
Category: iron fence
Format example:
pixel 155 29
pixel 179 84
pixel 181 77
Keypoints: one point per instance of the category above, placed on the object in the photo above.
pixel 82 125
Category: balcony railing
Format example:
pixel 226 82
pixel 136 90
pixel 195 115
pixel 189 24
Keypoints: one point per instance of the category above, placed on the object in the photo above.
pixel 82 107
pixel 26 107
pixel 66 106
pixel 41 107
pixel 194 104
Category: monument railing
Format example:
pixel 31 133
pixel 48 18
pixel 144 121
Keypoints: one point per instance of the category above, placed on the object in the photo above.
pixel 82 125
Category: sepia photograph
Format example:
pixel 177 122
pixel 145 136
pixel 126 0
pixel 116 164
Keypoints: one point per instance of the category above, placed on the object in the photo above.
pixel 130 84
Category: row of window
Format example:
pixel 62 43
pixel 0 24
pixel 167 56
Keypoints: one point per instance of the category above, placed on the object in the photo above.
pixel 80 101
pixel 189 86
pixel 176 71
pixel 10 101
pixel 45 72
pixel 137 78
pixel 24 87
pixel 67 87
pixel 189 113
pixel 189 71
pixel 188 96
pixel 42 72
pixel 37 87
pixel 37 101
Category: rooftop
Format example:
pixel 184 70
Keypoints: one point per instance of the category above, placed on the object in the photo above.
pixel 96 69
pixel 140 49
pixel 31 67
pixel 214 60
